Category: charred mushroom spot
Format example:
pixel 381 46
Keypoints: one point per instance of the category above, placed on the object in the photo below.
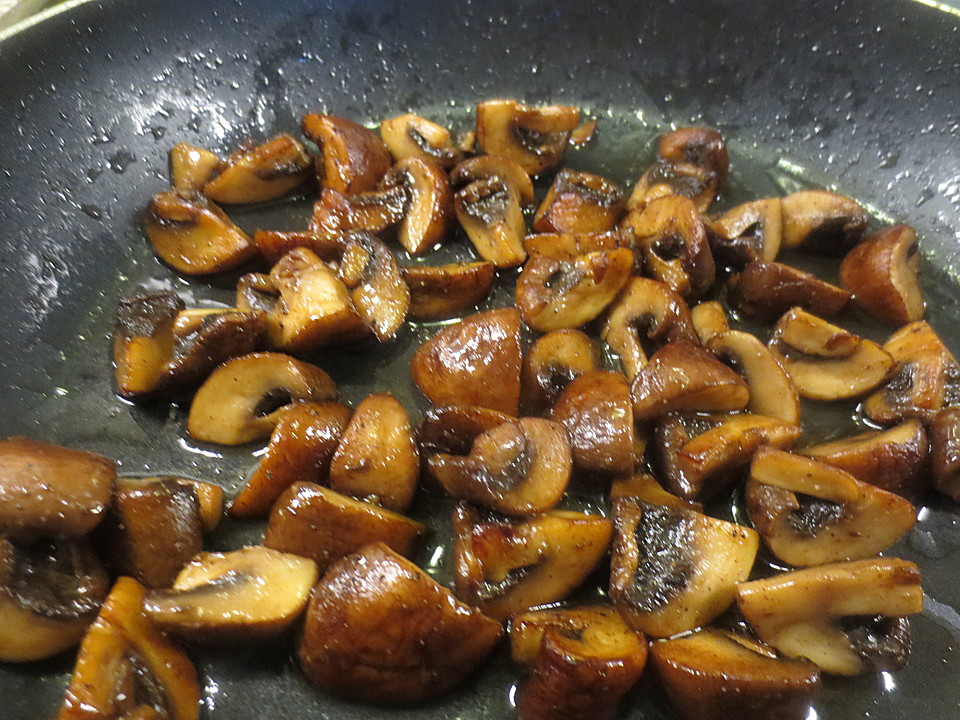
pixel 556 378
pixel 665 556
pixel 902 382
pixel 272 401
pixel 882 642
pixel 492 589
pixel 813 515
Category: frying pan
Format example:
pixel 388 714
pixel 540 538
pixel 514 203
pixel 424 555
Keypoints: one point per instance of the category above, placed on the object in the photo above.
pixel 862 95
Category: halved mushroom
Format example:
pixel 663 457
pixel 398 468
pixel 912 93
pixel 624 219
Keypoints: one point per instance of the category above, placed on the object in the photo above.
pixel 153 529
pixel 579 202
pixel 771 391
pixel 191 167
pixel 193 235
pixel 699 454
pixel 553 362
pixel 380 295
pixel 811 513
pixel 260 173
pixel 533 137
pixel 684 377
pixel 428 213
pixel 847 618
pixel 646 313
pixel 945 452
pixel 881 272
pixel 822 221
pixel 666 178
pixel 48 490
pixel 380 629
pixel 438 292
pixel 516 468
pixel 715 675
pixel 674 569
pixel 584 662
pixel 709 319
pixel 452 429
pixel 926 379
pixel 698 145
pixel 235 597
pixel 505 566
pixel 377 457
pixel 892 459
pixel 323 525
pixel 826 362
pixel 555 294
pixel 671 238
pixel 764 291
pixel 489 212
pixel 143 341
pixel 475 362
pixel 128 669
pixel 241 400
pixel 352 159
pixel 49 593
pixel 567 246
pixel 494 167
pixel 411 136
pixel 210 497
pixel 336 213
pixel 645 487
pixel 301 447
pixel 747 233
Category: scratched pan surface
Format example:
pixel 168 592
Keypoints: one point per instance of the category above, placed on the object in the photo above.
pixel 862 95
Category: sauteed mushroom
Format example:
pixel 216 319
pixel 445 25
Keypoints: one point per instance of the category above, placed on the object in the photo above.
pixel 438 292
pixel 495 167
pixel 260 173
pixel 665 178
pixel 352 159
pixel 764 291
pixel 822 221
pixel 553 362
pixel 945 452
pixel 535 138
pixel 453 428
pixel 749 232
pixel 428 212
pixel 489 212
pixel 191 167
pixel 579 202
pixel 698 145
pixel 411 136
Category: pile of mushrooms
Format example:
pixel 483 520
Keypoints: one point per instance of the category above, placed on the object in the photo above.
pixel 616 372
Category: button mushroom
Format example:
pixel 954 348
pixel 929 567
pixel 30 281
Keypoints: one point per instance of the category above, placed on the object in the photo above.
pixel 822 221
pixel 352 159
pixel 698 145
pixel 336 213
pixel 453 428
pixel 709 319
pixel 143 341
pixel 495 167
pixel 379 294
pixel 260 173
pixel 191 167
pixel 764 291
pixel 580 203
pixel 567 246
pixel 489 212
pixel 428 212
pixel 666 178
pixel 533 137
pixel 553 362
pixel 411 136
pixel 747 233
pixel 439 292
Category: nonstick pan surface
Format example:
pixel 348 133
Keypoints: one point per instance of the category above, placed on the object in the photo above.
pixel 862 95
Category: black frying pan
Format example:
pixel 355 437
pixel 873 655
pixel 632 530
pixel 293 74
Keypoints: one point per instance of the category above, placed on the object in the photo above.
pixel 863 95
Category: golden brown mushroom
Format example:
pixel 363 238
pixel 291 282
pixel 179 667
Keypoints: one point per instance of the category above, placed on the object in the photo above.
pixel 439 292
pixel 411 136
pixel 495 167
pixel 666 178
pixel 748 232
pixel 453 428
pixel 822 221
pixel 191 167
pixel 489 212
pixel 764 291
pixel 698 145
pixel 553 362
pixel 428 212
pixel 945 451
pixel 352 159
pixel 533 137
pixel 580 203
pixel 260 173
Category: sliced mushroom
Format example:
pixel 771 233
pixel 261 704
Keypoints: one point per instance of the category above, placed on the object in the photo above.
pixel 822 221
pixel 475 362
pixel 553 362
pixel 336 213
pixel 380 629
pixel 826 362
pixel 881 272
pixel 810 513
pixel 377 289
pixel 240 401
pixel 49 593
pixel 926 379
pixel 647 312
pixel 567 246
pixel 555 294
pixel 505 566
pixel 235 597
pixel 665 178
pixel 411 136
pixel 715 675
pixel 590 622
pixel 47 490
pixel 674 569
pixel 495 167
pixel 260 173
pixel 143 341
pixel 583 135
pixel 673 243
pixel 747 233
pixel 764 291
pixel 489 212
pixel 452 429
pixel 698 145
pixel 581 203
pixel 516 468
pixel 684 377
pixel 210 497
pixel 438 292
pixel 429 209
pixel 645 488
pixel 127 668
pixel 893 459
pixel 847 618
pixel 699 454
pixel 535 138
pixel 302 444
pixel 771 391
pixel 352 159
pixel 709 319
pixel 945 452
pixel 191 167
pixel 586 661
pixel 377 459
pixel 193 235
pixel 323 525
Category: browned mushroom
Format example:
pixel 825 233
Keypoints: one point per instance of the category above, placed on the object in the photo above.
pixel 709 319
pixel 684 179
pixel 580 203
pixel 193 235
pixel 533 137
pixel 674 569
pixel 489 212
pixel 260 173
pixel 452 429
pixel 516 468
pixel 698 145
pixel 555 294
pixel 764 291
pixel 411 136
pixel 380 295
pixel 475 362
pixel 495 167
pixel 553 362
pixel 240 401
pixel 567 246
pixel 945 451
pixel 428 213
pixel 847 618
pixel 645 488
pixel 353 158
pixel 50 592
pixel 748 232
pixel 505 566
pixel 438 292
pixel 380 629
pixel 191 167
pixel 822 221
pixel 49 490
pixel 143 341
pixel 336 213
